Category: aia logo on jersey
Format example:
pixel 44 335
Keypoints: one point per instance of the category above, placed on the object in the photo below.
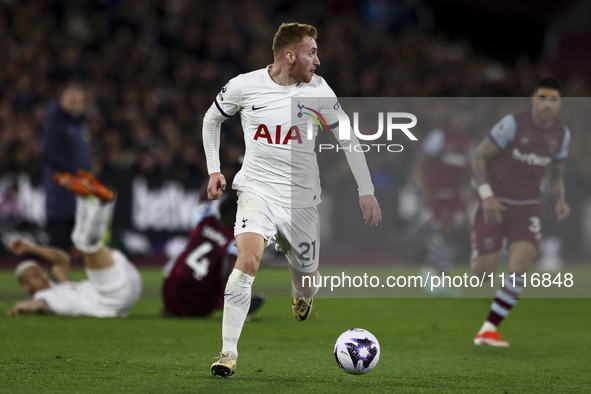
pixel 280 136
pixel 293 133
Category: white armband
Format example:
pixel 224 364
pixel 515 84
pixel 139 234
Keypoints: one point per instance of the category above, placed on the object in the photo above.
pixel 485 191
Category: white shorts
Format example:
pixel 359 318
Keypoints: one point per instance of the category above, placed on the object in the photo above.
pixel 296 231
pixel 118 287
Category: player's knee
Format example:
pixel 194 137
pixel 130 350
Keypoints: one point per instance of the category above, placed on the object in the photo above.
pixel 483 265
pixel 248 263
pixel 521 257
pixel 86 244
pixel 520 266
pixel 484 274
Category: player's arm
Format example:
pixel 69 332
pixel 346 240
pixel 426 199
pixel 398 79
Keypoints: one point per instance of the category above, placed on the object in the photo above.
pixel 491 207
pixel 212 123
pixel 370 208
pixel 59 260
pixel 561 208
pixel 486 150
pixel 28 306
pixel 225 105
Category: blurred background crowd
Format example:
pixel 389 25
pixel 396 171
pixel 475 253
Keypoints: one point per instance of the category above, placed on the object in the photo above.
pixel 154 67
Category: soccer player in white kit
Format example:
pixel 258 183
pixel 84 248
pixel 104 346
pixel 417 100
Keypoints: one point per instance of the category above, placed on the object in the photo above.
pixel 114 284
pixel 278 184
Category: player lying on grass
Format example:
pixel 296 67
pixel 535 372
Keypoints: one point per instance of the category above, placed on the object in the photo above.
pixel 195 279
pixel 114 284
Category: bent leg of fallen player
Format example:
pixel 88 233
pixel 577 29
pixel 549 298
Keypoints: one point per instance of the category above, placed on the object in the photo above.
pixel 116 280
pixel 114 284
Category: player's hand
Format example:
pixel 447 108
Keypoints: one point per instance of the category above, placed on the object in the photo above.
pixel 492 208
pixel 19 246
pixel 216 185
pixel 372 214
pixel 562 209
pixel 17 309
pixel 27 306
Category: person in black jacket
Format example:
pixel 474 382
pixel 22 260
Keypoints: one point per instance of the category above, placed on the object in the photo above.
pixel 66 148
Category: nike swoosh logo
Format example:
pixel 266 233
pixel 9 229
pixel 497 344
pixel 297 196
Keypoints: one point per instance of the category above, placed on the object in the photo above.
pixel 255 108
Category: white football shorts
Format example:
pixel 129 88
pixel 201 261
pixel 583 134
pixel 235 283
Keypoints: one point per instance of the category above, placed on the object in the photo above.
pixel 118 287
pixel 296 231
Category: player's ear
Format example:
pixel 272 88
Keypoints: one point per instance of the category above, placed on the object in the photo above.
pixel 289 56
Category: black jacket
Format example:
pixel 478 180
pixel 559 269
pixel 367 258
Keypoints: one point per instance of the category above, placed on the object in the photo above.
pixel 66 147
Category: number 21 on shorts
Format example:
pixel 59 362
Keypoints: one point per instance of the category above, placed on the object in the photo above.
pixel 307 251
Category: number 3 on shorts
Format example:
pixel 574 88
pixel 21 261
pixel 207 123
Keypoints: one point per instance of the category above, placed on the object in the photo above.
pixel 534 224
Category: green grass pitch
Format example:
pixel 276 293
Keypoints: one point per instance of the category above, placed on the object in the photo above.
pixel 426 346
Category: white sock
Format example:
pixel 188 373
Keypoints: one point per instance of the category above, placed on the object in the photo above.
pixel 296 293
pixel 80 218
pixel 236 305
pixel 91 224
pixel 487 326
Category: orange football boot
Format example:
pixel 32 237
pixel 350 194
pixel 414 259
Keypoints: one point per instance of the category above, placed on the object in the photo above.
pixel 98 189
pixel 491 338
pixel 72 183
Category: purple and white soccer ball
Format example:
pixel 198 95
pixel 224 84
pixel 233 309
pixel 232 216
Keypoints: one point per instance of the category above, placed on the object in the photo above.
pixel 357 351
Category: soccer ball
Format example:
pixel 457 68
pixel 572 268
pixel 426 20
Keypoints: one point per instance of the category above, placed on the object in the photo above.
pixel 357 351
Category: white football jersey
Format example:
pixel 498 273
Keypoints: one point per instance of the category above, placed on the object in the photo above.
pixel 109 292
pixel 73 299
pixel 280 161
